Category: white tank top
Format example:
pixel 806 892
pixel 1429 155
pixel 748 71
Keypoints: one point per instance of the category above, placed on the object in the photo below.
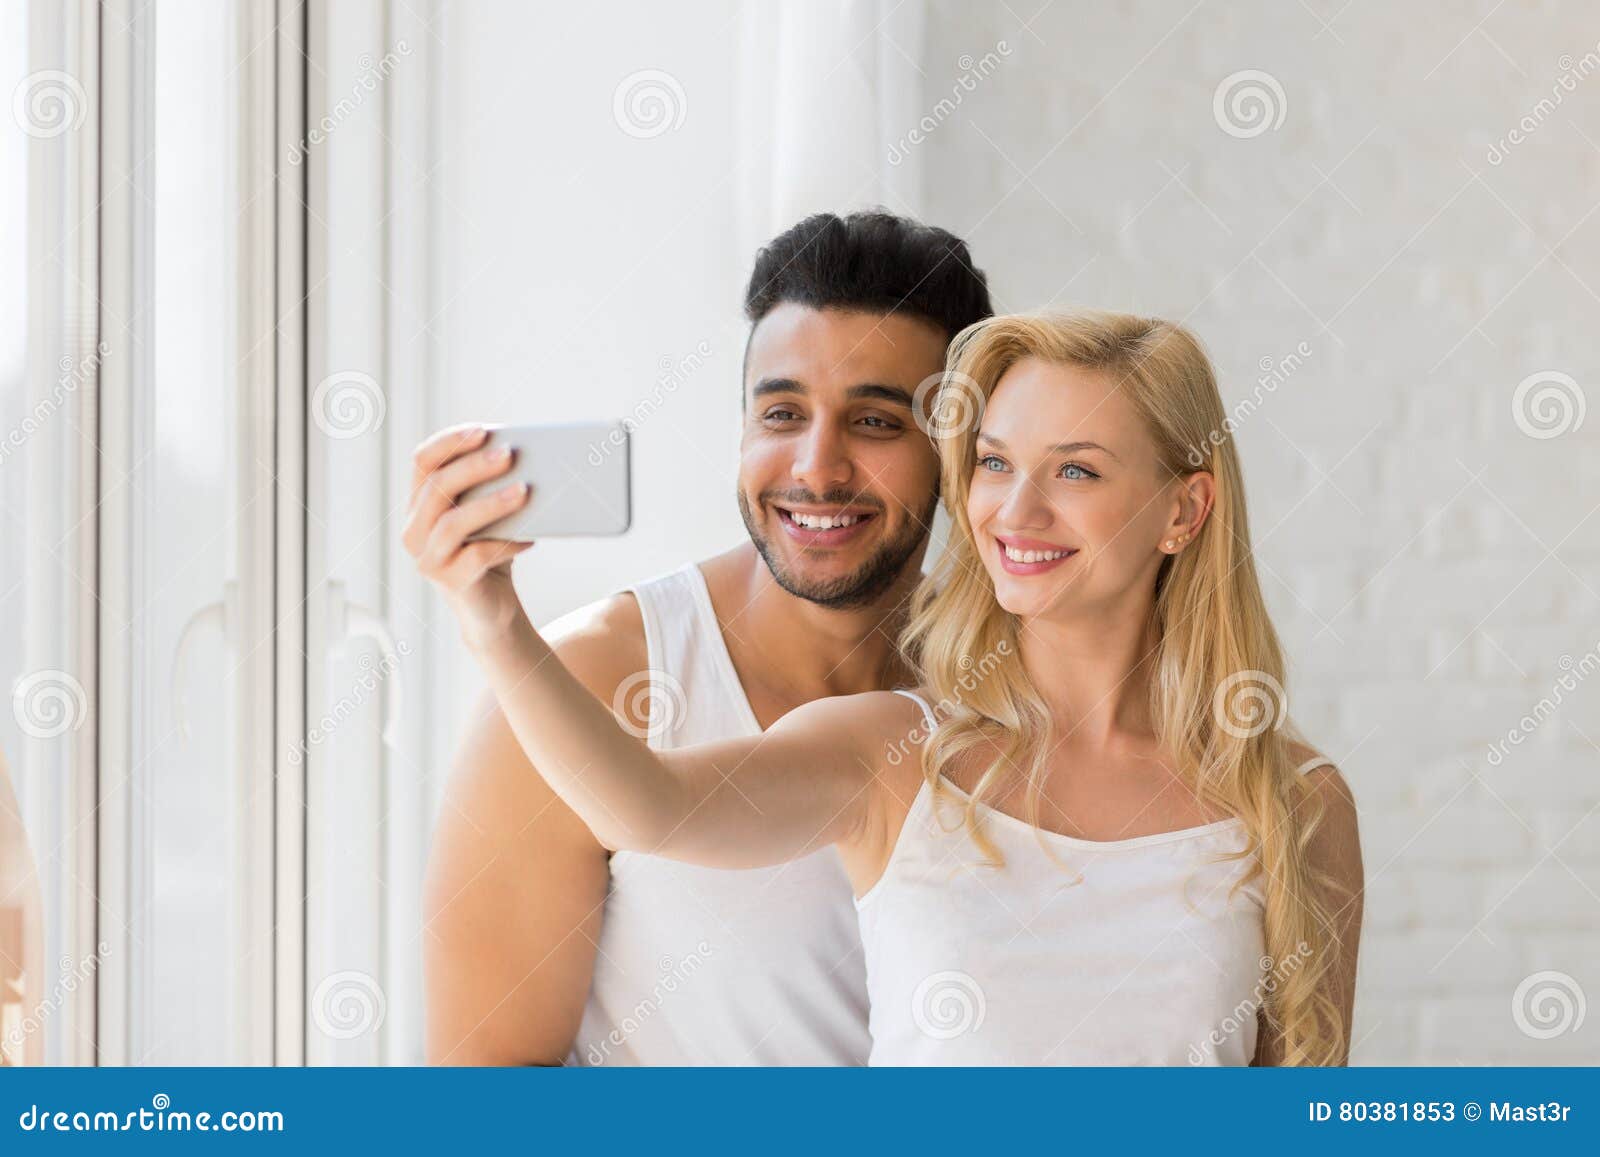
pixel 1138 958
pixel 711 966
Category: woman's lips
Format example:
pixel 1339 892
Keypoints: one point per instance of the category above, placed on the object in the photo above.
pixel 833 536
pixel 1013 566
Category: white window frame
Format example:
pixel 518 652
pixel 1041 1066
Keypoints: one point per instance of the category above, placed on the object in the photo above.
pixel 267 1007
pixel 92 207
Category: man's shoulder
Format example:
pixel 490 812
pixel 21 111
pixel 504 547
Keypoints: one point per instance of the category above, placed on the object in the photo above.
pixel 601 642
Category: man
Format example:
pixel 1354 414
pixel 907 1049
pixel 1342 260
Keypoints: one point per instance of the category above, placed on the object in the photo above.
pixel 543 949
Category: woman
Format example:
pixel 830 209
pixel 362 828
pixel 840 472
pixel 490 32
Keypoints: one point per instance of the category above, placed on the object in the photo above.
pixel 1103 847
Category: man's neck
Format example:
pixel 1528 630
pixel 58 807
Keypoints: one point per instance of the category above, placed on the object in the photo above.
pixel 789 651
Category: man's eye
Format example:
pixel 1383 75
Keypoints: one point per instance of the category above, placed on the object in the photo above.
pixel 781 415
pixel 881 423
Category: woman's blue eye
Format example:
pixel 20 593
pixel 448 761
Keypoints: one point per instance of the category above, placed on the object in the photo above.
pixel 1082 472
pixel 984 462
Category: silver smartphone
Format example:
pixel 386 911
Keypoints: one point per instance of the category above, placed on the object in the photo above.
pixel 579 474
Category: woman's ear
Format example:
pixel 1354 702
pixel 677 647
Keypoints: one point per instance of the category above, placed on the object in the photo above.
pixel 1197 493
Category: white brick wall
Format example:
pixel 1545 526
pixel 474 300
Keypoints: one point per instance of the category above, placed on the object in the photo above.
pixel 1428 562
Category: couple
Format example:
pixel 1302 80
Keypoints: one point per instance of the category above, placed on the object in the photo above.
pixel 1030 774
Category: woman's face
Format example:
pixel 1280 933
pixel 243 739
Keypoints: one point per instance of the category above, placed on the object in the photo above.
pixel 1069 503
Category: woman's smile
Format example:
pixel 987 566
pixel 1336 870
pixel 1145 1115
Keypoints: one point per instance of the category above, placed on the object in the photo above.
pixel 1027 556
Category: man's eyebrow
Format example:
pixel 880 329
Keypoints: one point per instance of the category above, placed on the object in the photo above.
pixel 777 386
pixel 880 390
pixel 1058 448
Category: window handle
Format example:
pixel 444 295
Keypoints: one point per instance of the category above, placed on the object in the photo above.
pixel 347 622
pixel 218 616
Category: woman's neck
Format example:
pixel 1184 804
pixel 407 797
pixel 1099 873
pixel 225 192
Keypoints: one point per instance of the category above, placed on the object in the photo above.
pixel 1093 671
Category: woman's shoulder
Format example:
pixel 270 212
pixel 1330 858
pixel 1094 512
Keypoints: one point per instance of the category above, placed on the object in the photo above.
pixel 872 717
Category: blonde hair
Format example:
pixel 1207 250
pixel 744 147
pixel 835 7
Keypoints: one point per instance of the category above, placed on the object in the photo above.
pixel 1214 640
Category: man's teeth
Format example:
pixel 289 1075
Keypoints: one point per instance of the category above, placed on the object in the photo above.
pixel 824 521
pixel 1016 555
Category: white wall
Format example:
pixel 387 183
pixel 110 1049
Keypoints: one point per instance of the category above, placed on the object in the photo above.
pixel 576 260
pixel 1432 567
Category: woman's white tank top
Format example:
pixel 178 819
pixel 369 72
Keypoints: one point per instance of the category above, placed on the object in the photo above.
pixel 710 966
pixel 1131 954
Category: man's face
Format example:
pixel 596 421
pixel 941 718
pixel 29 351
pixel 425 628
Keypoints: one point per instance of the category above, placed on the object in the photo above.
pixel 837 483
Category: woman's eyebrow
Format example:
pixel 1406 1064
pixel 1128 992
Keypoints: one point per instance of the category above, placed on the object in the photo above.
pixel 1058 448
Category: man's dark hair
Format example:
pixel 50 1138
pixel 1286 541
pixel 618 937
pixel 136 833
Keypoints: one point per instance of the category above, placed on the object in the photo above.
pixel 872 261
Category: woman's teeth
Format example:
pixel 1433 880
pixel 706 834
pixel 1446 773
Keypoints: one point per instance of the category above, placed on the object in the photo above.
pixel 824 521
pixel 1033 555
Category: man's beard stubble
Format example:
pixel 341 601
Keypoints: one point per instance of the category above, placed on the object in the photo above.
pixel 867 583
